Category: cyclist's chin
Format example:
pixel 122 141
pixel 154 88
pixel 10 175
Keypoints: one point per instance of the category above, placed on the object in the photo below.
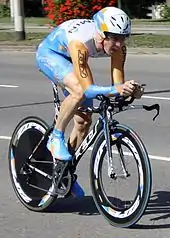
pixel 111 51
pixel 108 52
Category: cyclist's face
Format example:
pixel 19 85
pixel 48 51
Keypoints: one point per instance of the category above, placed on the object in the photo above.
pixel 112 44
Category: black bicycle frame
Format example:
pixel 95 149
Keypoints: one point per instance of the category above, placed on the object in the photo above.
pixel 88 141
pixel 101 124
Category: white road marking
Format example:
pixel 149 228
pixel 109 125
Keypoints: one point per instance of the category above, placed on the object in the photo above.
pixel 158 98
pixel 8 86
pixel 5 137
pixel 159 158
pixel 16 51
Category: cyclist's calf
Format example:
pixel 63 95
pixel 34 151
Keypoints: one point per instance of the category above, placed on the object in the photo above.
pixel 82 122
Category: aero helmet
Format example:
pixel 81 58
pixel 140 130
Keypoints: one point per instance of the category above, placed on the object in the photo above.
pixel 112 20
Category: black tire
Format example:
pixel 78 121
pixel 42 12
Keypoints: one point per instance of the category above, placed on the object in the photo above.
pixel 24 139
pixel 129 211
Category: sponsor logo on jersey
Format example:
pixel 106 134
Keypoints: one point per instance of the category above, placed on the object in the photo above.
pixel 76 26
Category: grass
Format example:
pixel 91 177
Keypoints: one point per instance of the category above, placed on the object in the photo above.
pixel 149 41
pixel 8 38
pixel 151 22
pixel 138 40
pixel 40 21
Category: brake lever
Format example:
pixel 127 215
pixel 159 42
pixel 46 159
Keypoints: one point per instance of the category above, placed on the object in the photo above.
pixel 153 107
pixel 122 101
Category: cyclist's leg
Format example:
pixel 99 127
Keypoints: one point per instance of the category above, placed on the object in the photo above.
pixel 82 123
pixel 51 66
pixel 71 102
pixel 60 69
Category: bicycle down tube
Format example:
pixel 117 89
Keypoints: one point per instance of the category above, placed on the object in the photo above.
pixel 88 141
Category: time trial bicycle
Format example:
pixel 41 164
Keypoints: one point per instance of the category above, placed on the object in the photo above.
pixel 120 170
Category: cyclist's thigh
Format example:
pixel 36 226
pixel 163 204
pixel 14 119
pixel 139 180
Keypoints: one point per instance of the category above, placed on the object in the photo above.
pixel 60 70
pixel 53 65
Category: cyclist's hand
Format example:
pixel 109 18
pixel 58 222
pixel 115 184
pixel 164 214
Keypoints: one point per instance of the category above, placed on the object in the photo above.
pixel 139 90
pixel 126 89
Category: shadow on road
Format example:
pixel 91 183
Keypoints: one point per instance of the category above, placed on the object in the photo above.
pixel 159 208
pixel 81 206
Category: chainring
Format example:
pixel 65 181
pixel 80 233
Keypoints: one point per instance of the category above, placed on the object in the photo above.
pixel 63 178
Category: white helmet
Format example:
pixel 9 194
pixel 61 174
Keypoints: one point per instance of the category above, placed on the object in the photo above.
pixel 112 20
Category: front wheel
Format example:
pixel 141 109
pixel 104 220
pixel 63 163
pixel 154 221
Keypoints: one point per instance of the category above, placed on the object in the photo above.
pixel 121 188
pixel 31 164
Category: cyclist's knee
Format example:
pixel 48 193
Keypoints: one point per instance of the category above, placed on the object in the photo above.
pixel 77 93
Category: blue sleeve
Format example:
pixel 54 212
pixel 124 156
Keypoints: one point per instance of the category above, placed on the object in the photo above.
pixel 93 90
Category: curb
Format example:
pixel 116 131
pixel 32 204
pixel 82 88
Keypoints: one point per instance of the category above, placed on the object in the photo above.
pixel 14 48
pixel 27 48
pixel 149 51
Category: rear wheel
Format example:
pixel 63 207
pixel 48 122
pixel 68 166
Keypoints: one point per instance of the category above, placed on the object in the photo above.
pixel 31 178
pixel 123 195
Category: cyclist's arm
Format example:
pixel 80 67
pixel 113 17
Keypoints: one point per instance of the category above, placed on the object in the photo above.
pixel 117 66
pixel 79 55
pixel 117 74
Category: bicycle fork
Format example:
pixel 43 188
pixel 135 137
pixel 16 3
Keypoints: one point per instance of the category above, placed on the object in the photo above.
pixel 108 138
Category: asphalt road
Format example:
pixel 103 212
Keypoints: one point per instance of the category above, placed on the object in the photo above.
pixel 21 87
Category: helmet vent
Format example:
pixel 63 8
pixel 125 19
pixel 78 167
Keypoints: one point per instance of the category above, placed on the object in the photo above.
pixel 122 19
pixel 112 23
pixel 119 26
pixel 126 27
pixel 113 18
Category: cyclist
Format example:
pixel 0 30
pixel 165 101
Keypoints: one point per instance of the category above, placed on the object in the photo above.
pixel 63 57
